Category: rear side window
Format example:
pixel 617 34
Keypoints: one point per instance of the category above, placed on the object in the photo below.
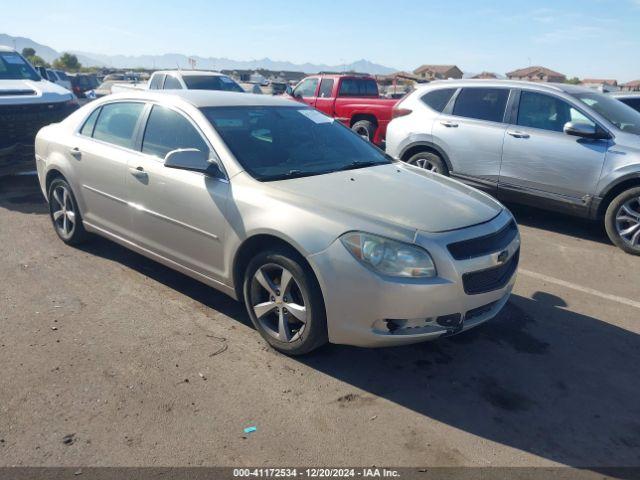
pixel 438 99
pixel 157 81
pixel 89 125
pixel 358 87
pixel 172 83
pixel 117 123
pixel 326 88
pixel 482 103
pixel 168 130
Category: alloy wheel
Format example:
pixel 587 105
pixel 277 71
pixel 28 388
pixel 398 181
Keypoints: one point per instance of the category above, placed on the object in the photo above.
pixel 363 132
pixel 279 302
pixel 628 222
pixel 63 211
pixel 427 165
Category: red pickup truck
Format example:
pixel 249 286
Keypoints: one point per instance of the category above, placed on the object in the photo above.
pixel 353 100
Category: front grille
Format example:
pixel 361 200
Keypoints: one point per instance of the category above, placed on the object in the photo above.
pixel 490 279
pixel 478 312
pixel 481 246
pixel 19 124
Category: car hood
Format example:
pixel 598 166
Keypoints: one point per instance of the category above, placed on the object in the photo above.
pixel 397 194
pixel 12 92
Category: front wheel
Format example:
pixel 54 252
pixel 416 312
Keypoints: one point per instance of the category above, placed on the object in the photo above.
pixel 65 214
pixel 365 129
pixel 622 221
pixel 284 302
pixel 429 161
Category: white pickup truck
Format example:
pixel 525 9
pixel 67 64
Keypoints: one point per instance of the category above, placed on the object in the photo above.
pixel 27 103
pixel 182 80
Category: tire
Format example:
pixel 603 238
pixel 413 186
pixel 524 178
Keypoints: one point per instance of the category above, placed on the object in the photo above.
pixel 278 318
pixel 622 221
pixel 365 128
pixel 429 161
pixel 65 214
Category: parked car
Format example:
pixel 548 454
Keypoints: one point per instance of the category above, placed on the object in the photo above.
pixel 560 147
pixel 273 203
pixel 81 84
pixel 629 98
pixel 183 79
pixel 27 103
pixel 354 100
pixel 55 76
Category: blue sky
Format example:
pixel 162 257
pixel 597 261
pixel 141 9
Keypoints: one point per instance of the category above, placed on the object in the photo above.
pixel 586 38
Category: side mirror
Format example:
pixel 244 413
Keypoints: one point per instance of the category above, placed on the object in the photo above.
pixel 584 130
pixel 193 160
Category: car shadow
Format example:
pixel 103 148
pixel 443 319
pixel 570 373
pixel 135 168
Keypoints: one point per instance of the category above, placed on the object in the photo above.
pixel 21 193
pixel 560 223
pixel 539 377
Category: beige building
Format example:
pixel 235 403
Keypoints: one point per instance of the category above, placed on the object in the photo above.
pixel 633 86
pixel 537 74
pixel 437 72
pixel 485 76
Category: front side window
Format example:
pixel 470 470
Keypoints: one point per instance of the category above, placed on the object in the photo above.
pixel 157 81
pixel 621 115
pixel 358 87
pixel 482 103
pixel 278 142
pixel 438 99
pixel 326 88
pixel 168 130
pixel 172 83
pixel 117 122
pixel 14 67
pixel 89 125
pixel 211 82
pixel 307 88
pixel 546 112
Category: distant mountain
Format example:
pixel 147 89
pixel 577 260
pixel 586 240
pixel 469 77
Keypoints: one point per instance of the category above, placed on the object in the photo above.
pixel 175 60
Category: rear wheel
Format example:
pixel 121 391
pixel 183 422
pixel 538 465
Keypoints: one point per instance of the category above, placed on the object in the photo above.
pixel 65 214
pixel 622 221
pixel 429 161
pixel 284 302
pixel 365 128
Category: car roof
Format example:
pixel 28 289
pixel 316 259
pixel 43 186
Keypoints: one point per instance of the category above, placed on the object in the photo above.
pixel 4 48
pixel 208 98
pixel 625 94
pixel 187 73
pixel 542 86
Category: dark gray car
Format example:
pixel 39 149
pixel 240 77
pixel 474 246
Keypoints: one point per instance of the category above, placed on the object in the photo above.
pixel 556 146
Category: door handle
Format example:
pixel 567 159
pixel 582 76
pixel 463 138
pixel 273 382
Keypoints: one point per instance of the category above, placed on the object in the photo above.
pixel 75 153
pixel 449 124
pixel 138 172
pixel 516 134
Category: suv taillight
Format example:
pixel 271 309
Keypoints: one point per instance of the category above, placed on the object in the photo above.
pixel 399 112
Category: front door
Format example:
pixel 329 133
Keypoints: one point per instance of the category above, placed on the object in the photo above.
pixel 307 91
pixel 472 132
pixel 177 214
pixel 538 157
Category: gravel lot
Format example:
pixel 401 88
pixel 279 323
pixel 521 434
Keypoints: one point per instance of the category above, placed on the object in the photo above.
pixel 111 359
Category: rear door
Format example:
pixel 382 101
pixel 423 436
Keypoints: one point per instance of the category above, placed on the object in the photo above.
pixel 540 158
pixel 178 214
pixel 307 90
pixel 471 132
pixel 104 145
pixel 325 102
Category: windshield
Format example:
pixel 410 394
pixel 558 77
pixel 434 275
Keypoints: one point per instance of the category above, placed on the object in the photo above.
pixel 621 115
pixel 210 82
pixel 14 67
pixel 273 143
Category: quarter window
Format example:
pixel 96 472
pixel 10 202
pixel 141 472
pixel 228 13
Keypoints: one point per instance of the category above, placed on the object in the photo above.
pixel 172 83
pixel 438 99
pixel 307 88
pixel 482 103
pixel 117 122
pixel 326 88
pixel 157 81
pixel 168 130
pixel 90 123
pixel 542 111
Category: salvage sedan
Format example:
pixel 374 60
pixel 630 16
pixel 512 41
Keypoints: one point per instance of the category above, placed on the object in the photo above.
pixel 319 233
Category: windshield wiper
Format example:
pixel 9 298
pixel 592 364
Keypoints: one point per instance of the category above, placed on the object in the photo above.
pixel 289 174
pixel 355 165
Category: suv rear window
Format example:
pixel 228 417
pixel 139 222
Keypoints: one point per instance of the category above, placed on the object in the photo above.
pixel 210 82
pixel 482 103
pixel 438 99
pixel 358 87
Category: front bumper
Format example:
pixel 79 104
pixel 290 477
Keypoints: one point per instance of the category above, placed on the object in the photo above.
pixel 369 310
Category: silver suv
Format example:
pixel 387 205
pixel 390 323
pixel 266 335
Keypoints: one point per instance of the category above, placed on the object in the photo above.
pixel 556 146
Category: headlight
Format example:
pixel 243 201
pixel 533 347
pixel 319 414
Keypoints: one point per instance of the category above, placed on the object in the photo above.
pixel 389 257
